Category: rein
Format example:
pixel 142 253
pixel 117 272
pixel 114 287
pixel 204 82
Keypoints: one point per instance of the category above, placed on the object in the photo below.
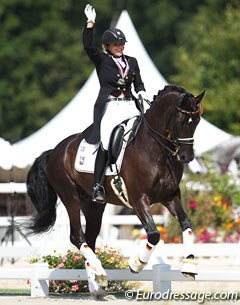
pixel 170 145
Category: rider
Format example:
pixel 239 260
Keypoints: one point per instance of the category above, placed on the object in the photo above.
pixel 115 102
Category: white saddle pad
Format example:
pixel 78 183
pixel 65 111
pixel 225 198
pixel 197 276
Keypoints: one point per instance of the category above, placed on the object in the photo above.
pixel 86 154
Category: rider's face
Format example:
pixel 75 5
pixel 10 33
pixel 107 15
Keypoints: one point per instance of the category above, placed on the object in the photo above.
pixel 116 48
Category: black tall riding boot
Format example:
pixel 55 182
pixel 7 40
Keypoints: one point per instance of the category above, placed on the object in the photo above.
pixel 99 172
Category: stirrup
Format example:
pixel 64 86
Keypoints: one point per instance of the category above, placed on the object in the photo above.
pixel 98 194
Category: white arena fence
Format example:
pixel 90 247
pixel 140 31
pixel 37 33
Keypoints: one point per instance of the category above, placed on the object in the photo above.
pixel 162 253
pixel 161 275
pixel 107 220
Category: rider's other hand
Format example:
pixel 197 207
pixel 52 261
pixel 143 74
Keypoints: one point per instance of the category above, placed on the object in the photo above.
pixel 143 94
pixel 90 13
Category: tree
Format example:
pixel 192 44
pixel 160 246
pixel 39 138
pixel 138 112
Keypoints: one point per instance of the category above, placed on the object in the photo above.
pixel 41 60
pixel 208 58
pixel 158 24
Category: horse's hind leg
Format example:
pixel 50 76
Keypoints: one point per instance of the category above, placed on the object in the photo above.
pixel 93 213
pixel 73 201
pixel 189 266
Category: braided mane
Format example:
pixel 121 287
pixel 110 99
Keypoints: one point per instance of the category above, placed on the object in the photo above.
pixel 169 88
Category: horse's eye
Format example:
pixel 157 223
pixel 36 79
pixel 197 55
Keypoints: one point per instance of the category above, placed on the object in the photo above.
pixel 190 120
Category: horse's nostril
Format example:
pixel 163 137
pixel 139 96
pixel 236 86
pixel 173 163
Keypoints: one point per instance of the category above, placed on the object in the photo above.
pixel 185 158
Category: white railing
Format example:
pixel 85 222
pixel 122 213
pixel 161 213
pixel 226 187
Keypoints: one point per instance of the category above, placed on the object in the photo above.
pixel 106 220
pixel 162 252
pixel 161 275
pixel 13 187
pixel 62 223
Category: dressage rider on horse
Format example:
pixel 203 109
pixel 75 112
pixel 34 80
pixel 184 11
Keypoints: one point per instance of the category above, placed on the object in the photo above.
pixel 115 102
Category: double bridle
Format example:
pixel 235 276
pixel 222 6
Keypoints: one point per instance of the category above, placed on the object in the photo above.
pixel 172 145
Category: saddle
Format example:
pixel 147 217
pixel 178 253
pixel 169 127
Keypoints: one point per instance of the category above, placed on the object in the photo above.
pixel 120 134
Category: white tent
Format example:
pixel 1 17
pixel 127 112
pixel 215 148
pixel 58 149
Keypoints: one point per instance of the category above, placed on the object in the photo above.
pixel 207 136
pixel 5 154
pixel 79 112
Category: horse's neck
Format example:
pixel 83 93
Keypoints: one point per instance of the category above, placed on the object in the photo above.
pixel 160 162
pixel 159 115
pixel 153 126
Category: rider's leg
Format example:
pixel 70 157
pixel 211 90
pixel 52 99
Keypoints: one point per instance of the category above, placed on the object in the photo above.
pixel 99 172
pixel 114 114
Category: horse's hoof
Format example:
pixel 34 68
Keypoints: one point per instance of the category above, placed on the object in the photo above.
pixel 99 293
pixel 189 276
pixel 135 264
pixel 189 268
pixel 132 271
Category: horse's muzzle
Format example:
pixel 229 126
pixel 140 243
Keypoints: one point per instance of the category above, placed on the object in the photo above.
pixel 185 157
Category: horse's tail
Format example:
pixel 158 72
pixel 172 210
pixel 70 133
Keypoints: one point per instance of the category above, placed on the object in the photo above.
pixel 42 195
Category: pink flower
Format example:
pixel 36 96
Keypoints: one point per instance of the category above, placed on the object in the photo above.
pixel 75 288
pixel 192 204
pixel 61 265
pixel 76 258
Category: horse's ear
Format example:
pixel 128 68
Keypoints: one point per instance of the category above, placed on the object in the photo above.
pixel 199 98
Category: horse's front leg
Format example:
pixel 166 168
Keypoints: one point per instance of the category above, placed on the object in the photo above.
pixel 139 260
pixel 189 264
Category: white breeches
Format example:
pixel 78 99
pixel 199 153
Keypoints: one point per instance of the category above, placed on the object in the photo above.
pixel 115 113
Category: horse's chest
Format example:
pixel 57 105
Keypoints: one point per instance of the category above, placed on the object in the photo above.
pixel 166 186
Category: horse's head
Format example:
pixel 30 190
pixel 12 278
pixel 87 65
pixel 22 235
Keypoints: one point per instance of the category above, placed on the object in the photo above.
pixel 187 116
pixel 172 120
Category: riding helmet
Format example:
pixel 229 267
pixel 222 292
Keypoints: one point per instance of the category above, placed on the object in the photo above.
pixel 113 35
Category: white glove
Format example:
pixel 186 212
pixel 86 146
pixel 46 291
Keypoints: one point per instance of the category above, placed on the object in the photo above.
pixel 143 94
pixel 90 13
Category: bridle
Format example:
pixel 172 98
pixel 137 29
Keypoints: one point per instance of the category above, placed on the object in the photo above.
pixel 171 144
pixel 188 141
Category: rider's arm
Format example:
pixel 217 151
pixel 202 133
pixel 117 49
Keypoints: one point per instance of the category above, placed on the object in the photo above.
pixel 88 41
pixel 138 83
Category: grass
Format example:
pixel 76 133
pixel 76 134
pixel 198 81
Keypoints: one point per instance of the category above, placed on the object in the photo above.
pixel 15 292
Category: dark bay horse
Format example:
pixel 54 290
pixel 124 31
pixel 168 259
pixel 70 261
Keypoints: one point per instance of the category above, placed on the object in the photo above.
pixel 152 170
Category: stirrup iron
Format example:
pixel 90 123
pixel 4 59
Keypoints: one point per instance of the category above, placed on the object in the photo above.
pixel 98 194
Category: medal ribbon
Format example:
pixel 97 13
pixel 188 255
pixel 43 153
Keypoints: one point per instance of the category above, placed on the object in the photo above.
pixel 123 72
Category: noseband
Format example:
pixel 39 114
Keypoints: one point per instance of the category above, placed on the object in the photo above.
pixel 172 145
pixel 188 141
